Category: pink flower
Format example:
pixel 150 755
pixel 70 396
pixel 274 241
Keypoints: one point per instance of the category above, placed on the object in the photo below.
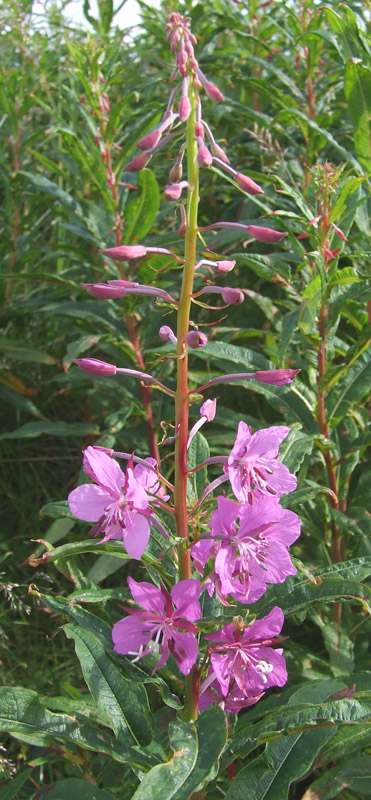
pixel 267 235
pixel 252 465
pixel 246 658
pixel 171 628
pixel 116 502
pixel 125 252
pixel 253 553
pixel 150 140
pixel 139 162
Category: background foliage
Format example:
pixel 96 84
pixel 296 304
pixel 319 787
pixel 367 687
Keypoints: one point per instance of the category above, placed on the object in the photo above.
pixel 297 83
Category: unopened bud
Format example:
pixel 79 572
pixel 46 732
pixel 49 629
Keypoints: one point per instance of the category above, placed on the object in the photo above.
pixel 167 335
pixel 267 235
pixel 138 163
pixel 276 377
pixel 174 191
pixel 95 367
pixel 219 152
pixel 150 140
pixel 105 291
pixel 208 409
pixel 204 157
pixel 213 92
pixel 184 108
pixel 196 339
pixel 232 296
pixel 176 173
pixel 125 252
pixel 225 266
pixel 248 185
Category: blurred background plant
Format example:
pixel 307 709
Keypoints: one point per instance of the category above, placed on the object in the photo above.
pixel 74 100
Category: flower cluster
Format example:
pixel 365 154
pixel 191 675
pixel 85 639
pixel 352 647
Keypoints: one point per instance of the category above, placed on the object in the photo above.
pixel 243 545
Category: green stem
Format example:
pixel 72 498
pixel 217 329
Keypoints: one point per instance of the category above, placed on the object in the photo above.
pixel 182 392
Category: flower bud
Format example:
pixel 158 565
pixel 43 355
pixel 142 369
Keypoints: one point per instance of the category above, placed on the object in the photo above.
pixel 176 173
pixel 213 92
pixel 95 367
pixel 276 377
pixel 219 152
pixel 184 108
pixel 267 235
pixel 224 266
pixel 174 191
pixel 167 335
pixel 232 296
pixel 208 409
pixel 149 141
pixel 104 291
pixel 125 252
pixel 196 339
pixel 138 163
pixel 248 185
pixel 204 157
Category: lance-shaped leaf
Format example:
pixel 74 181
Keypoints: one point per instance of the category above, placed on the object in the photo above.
pixel 124 702
pixel 141 211
pixel 76 789
pixel 165 781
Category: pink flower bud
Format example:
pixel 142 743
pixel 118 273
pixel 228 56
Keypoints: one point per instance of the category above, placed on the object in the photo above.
pixel 204 157
pixel 225 266
pixel 208 409
pixel 125 252
pixel 95 367
pixel 167 335
pixel 277 377
pixel 196 339
pixel 213 92
pixel 267 235
pixel 339 232
pixel 232 296
pixel 184 108
pixel 138 163
pixel 106 292
pixel 149 141
pixel 248 185
pixel 218 152
pixel 174 191
pixel 176 173
pixel 199 130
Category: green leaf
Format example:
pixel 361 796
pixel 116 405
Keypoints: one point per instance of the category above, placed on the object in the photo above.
pixel 350 390
pixel 198 452
pixel 76 789
pixel 354 774
pixel 294 448
pixel 23 714
pixel 33 429
pixel 211 735
pixel 312 297
pixel 9 792
pixel 142 210
pixel 124 702
pixel 265 267
pixel 56 510
pixel 222 351
pixel 283 762
pixel 18 351
pixel 43 184
pixel 357 89
pixel 165 781
pixel 298 593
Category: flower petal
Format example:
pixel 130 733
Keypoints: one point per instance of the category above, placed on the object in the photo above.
pixel 185 650
pixel 148 596
pixel 135 534
pixel 104 470
pixel 185 596
pixel 88 502
pixel 130 634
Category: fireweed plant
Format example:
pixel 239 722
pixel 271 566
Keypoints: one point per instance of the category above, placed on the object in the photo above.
pixel 230 549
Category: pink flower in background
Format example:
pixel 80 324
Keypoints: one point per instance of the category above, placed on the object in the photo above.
pixel 167 618
pixel 252 466
pixel 246 657
pixel 117 502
